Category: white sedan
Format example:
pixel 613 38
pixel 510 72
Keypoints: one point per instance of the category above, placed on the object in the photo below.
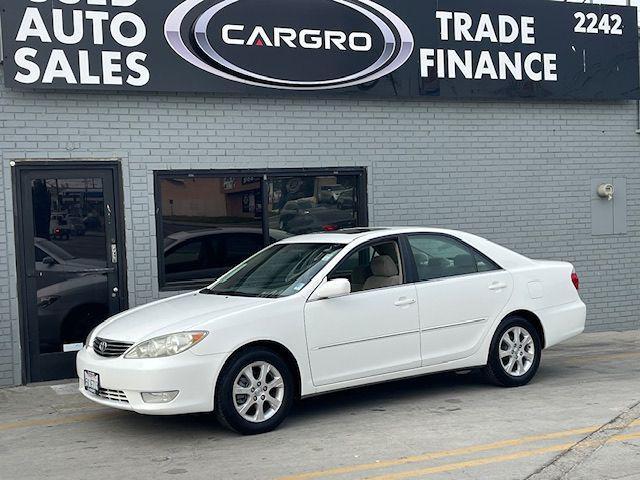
pixel 322 312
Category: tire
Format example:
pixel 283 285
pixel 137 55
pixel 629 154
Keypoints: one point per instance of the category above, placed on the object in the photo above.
pixel 236 373
pixel 520 359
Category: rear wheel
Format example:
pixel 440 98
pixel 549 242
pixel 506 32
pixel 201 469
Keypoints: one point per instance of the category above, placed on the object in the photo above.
pixel 255 392
pixel 515 353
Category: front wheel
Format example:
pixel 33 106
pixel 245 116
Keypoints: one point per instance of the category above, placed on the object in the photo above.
pixel 515 353
pixel 255 392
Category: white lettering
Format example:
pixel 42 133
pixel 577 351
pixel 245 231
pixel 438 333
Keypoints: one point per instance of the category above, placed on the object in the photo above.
pixel 85 74
pixel 58 27
pixel 111 68
pixel 116 29
pixel 353 45
pixel 58 67
pixel 232 28
pixel 32 25
pixel 21 58
pixel 97 20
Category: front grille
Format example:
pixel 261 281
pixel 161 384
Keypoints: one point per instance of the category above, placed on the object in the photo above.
pixel 114 395
pixel 110 348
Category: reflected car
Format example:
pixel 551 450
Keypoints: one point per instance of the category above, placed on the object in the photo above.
pixel 201 256
pixel 330 193
pixel 328 311
pixel 68 310
pixel 55 264
pixel 346 200
pixel 77 226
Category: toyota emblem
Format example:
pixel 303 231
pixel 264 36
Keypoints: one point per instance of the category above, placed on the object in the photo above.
pixel 102 346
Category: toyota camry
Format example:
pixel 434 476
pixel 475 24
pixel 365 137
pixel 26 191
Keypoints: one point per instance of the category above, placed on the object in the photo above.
pixel 328 311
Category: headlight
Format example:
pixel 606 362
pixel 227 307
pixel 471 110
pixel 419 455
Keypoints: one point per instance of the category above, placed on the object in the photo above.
pixel 166 345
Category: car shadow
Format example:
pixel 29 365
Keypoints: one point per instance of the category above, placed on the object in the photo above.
pixel 360 400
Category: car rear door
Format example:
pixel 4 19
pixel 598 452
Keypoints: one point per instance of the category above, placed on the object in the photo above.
pixel 460 293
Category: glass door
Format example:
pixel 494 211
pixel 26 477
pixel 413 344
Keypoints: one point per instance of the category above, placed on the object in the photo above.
pixel 71 259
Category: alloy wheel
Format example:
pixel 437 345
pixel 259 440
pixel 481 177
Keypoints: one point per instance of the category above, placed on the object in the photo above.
pixel 517 351
pixel 258 392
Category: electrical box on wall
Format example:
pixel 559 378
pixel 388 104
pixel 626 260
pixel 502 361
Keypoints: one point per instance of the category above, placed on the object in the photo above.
pixel 608 206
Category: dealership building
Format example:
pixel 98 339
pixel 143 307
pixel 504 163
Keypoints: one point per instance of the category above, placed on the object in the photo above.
pixel 148 154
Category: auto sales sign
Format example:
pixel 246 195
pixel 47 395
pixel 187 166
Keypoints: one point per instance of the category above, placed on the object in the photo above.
pixel 410 48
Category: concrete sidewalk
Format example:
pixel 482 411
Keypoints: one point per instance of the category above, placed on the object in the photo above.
pixel 578 419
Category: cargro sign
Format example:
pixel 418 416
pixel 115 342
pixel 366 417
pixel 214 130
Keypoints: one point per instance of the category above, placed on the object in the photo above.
pixel 411 48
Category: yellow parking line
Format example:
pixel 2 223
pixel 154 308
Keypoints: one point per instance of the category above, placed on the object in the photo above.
pixel 446 453
pixel 50 422
pixel 496 459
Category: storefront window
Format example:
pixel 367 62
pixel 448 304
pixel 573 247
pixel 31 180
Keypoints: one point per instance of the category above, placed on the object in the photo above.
pixel 209 223
pixel 300 205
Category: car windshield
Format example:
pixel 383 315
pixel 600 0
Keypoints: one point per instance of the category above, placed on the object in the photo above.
pixel 278 271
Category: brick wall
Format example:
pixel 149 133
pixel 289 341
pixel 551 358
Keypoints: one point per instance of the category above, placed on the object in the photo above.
pixel 517 173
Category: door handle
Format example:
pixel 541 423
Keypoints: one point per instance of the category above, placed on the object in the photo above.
pixel 403 302
pixel 497 286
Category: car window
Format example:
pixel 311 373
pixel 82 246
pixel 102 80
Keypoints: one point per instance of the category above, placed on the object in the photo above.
pixel 439 256
pixel 278 271
pixel 185 257
pixel 239 247
pixel 371 267
pixel 40 255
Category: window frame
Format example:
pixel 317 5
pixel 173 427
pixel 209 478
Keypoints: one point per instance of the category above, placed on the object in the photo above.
pixel 414 267
pixel 362 207
pixel 407 266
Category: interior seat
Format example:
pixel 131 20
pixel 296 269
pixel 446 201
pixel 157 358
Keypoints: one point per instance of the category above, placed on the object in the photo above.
pixel 385 273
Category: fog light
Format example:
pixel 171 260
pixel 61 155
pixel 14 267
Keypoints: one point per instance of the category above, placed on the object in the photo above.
pixel 159 397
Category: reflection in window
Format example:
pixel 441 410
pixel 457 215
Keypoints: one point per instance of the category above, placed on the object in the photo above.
pixel 300 205
pixel 211 223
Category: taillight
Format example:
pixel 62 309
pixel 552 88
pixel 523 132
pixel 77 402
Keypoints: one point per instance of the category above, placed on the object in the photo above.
pixel 575 280
pixel 329 228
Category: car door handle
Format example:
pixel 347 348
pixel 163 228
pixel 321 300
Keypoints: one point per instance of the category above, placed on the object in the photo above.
pixel 497 286
pixel 403 302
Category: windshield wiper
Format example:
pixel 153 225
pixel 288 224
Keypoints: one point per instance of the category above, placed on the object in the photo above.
pixel 231 293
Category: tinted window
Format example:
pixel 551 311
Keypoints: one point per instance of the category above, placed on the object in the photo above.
pixel 185 257
pixel 310 204
pixel 371 267
pixel 241 246
pixel 438 256
pixel 226 212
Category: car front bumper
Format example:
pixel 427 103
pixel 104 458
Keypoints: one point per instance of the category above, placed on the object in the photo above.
pixel 122 381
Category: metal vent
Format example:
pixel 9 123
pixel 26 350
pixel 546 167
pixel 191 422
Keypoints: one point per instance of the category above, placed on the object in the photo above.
pixel 110 348
pixel 113 395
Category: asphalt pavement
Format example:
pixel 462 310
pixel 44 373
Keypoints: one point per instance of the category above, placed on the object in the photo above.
pixel 579 419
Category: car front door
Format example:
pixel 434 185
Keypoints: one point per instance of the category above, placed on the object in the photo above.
pixel 460 293
pixel 372 331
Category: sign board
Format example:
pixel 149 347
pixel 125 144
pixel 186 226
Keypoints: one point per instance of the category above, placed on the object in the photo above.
pixel 405 48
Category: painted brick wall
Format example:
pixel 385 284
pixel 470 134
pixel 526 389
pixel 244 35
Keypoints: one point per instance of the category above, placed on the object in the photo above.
pixel 517 173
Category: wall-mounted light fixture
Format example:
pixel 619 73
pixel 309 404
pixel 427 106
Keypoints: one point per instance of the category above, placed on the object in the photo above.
pixel 605 190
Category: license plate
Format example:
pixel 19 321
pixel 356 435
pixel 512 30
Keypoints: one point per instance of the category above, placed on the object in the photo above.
pixel 91 382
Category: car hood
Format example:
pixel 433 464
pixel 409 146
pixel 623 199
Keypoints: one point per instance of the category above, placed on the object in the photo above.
pixel 176 314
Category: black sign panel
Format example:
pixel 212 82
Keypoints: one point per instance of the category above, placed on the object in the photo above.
pixel 408 48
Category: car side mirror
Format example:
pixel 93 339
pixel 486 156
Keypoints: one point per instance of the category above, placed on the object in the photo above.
pixel 338 287
pixel 48 261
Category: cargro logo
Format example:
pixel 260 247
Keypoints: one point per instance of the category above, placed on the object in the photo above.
pixel 290 44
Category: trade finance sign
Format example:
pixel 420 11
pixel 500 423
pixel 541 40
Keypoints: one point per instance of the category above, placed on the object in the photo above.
pixel 407 48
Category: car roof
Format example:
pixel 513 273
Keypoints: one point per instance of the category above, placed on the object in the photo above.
pixel 188 234
pixel 503 256
pixel 349 235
